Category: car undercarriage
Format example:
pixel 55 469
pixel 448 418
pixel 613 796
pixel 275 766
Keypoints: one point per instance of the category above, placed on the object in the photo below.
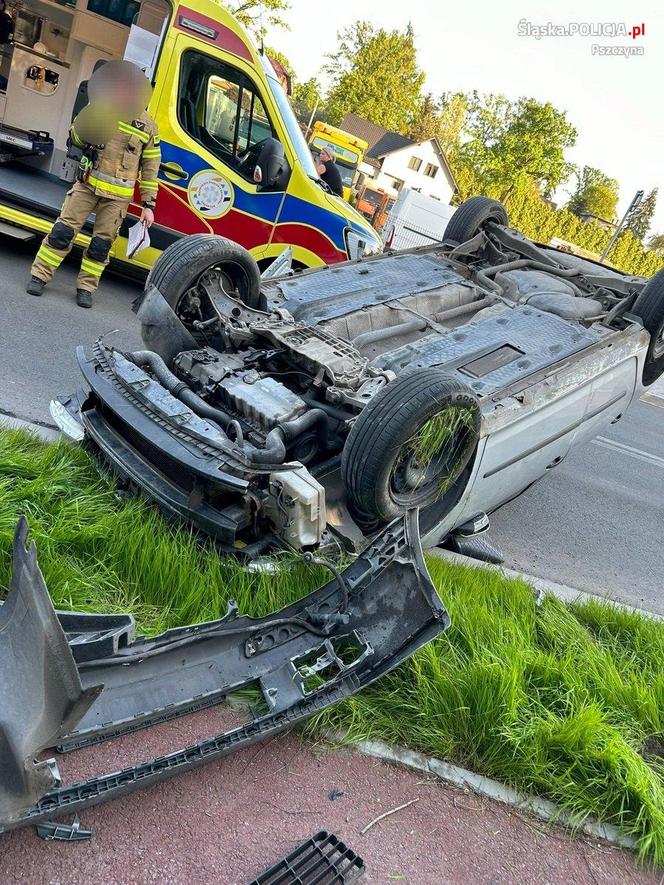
pixel 291 411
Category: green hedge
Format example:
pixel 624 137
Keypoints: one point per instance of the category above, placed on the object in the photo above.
pixel 530 214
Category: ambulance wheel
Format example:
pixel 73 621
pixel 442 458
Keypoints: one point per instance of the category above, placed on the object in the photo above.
pixel 471 216
pixel 177 271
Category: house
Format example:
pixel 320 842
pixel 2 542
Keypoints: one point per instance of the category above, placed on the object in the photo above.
pixel 394 161
pixel 587 217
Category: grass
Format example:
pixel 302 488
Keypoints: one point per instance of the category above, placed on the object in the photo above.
pixel 564 701
pixel 436 434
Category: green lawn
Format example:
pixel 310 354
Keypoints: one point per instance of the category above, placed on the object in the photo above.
pixel 563 701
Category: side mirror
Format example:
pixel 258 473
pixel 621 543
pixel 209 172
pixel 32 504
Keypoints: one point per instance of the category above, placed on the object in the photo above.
pixel 272 172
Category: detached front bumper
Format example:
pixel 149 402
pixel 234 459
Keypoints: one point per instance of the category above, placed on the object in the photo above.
pixel 94 680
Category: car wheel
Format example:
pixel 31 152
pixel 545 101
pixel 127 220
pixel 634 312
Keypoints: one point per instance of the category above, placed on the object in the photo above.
pixel 411 447
pixel 178 269
pixel 471 216
pixel 649 306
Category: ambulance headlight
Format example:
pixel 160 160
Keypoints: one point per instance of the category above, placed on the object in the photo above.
pixel 359 245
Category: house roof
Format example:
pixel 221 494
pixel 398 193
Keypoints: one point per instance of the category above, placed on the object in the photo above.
pixel 588 216
pixel 382 142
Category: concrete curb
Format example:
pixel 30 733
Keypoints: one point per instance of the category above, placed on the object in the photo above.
pixel 485 786
pixel 542 585
pixel 46 432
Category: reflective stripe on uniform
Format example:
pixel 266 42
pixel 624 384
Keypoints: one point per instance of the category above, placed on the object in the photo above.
pixel 74 137
pixel 149 185
pixel 94 268
pixel 132 130
pixel 100 181
pixel 151 153
pixel 50 257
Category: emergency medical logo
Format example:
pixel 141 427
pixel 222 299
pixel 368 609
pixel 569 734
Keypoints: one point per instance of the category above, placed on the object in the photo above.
pixel 210 193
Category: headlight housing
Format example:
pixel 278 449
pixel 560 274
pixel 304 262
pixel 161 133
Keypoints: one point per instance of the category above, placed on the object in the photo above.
pixel 360 245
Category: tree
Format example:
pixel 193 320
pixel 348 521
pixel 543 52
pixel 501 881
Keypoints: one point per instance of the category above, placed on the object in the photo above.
pixel 656 243
pixel 515 145
pixel 427 120
pixel 442 119
pixel 641 219
pixel 307 97
pixel 595 193
pixel 374 74
pixel 452 117
pixel 258 15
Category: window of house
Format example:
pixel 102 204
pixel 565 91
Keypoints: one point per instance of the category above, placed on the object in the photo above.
pixel 397 184
pixel 415 163
pixel 123 11
pixel 218 106
pixel 431 170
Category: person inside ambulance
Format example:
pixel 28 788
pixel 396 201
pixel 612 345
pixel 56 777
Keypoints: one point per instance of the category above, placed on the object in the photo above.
pixel 118 144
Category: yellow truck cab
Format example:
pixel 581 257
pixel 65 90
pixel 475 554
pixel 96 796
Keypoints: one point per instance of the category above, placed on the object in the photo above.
pixel 219 108
pixel 348 149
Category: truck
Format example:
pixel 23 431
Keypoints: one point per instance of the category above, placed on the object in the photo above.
pixel 348 150
pixel 374 203
pixel 219 107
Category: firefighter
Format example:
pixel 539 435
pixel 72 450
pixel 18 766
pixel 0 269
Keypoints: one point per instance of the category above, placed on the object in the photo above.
pixel 105 186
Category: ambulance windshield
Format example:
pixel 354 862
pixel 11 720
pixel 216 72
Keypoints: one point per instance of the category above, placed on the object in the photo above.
pixel 294 131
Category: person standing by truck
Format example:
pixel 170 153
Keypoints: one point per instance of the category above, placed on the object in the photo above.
pixel 107 176
pixel 327 169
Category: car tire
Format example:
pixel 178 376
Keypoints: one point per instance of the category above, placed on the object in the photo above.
pixel 471 216
pixel 182 263
pixel 381 438
pixel 649 307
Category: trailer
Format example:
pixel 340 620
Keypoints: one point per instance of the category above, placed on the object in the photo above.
pixel 415 219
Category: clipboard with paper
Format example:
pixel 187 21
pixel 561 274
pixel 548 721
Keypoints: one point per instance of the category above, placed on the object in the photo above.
pixel 138 239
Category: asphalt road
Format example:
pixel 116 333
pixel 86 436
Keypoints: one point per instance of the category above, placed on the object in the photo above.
pixel 595 523
pixel 39 336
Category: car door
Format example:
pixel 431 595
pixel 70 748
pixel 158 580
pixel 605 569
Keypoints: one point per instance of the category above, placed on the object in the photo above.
pixel 212 117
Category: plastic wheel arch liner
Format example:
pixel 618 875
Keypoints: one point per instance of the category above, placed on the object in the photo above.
pixel 307 656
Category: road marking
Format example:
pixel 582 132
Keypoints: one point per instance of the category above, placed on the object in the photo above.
pixel 638 454
pixel 654 396
pixel 653 399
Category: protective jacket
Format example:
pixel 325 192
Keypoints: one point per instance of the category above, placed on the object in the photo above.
pixel 132 154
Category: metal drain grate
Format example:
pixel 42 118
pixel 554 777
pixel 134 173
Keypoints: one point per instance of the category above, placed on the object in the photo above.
pixel 321 860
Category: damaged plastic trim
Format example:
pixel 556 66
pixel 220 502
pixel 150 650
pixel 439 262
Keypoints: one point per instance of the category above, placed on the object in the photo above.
pixel 309 655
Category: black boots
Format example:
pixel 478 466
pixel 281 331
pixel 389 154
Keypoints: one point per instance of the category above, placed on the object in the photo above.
pixel 35 286
pixel 83 298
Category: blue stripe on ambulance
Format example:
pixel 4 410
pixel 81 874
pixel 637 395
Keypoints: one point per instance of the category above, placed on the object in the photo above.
pixel 266 205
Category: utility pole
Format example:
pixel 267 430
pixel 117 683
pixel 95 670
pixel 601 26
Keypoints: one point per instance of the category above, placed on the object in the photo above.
pixel 638 196
pixel 311 120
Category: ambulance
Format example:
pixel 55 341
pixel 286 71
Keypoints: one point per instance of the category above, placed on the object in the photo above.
pixel 221 112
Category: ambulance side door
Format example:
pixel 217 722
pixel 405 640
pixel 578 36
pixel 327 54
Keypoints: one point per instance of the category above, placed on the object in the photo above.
pixel 212 121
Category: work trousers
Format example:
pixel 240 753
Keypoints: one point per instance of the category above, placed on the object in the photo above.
pixel 79 203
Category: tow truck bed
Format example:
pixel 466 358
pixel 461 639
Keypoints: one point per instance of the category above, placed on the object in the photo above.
pixel 23 187
pixel 25 143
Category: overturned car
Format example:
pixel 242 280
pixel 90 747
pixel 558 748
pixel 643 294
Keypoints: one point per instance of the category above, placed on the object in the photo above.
pixel 447 378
